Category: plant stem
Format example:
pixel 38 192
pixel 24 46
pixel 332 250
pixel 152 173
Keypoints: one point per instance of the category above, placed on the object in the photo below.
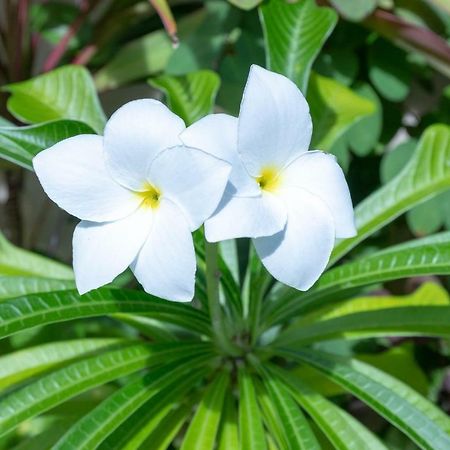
pixel 215 310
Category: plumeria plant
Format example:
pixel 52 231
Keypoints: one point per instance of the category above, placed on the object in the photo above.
pixel 224 293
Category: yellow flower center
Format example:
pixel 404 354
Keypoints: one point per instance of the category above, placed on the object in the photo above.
pixel 269 179
pixel 151 196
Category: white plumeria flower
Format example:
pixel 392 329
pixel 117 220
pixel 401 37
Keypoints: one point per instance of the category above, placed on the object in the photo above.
pixel 139 194
pixel 292 201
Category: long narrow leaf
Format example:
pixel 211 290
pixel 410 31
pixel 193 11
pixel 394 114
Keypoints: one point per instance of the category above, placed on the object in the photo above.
pixel 419 419
pixel 21 313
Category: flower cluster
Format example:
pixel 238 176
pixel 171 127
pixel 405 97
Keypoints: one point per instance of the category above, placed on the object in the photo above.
pixel 149 182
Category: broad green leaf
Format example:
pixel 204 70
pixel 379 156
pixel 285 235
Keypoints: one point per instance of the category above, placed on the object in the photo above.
pixel 94 427
pixel 138 59
pixel 16 261
pixel 245 4
pixel 407 321
pixel 64 93
pixel 201 434
pixel 426 175
pixel 14 286
pixel 204 36
pixel 229 433
pixel 250 422
pixel 298 432
pixel 354 10
pixel 418 418
pixel 342 430
pixel 389 71
pixel 428 217
pixel 21 313
pixel 73 379
pixel 364 135
pixel 341 64
pixel 294 34
pixel 334 109
pixel 191 96
pixel 20 144
pixel 17 366
pixel 426 256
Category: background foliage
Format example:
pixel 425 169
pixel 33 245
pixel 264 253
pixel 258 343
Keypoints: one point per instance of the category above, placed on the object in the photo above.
pixel 359 361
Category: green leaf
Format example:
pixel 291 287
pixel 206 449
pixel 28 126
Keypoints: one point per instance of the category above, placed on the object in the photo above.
pixel 428 217
pixel 428 294
pixel 17 366
pixel 20 144
pixel 407 321
pixel 168 428
pixel 201 434
pixel 342 430
pixel 364 135
pixel 229 433
pixel 56 387
pixel 146 421
pixel 246 5
pixel 426 256
pixel 294 34
pixel 419 419
pixel 424 176
pixel 21 313
pixel 354 11
pixel 16 261
pixel 14 286
pixel 250 422
pixel 190 96
pixel 334 109
pixel 389 71
pixel 65 93
pixel 94 427
pixel 299 435
pixel 138 59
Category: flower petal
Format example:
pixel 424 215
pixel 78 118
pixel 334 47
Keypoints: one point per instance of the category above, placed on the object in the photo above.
pixel 166 265
pixel 274 122
pixel 216 134
pixel 299 254
pixel 74 176
pixel 320 174
pixel 192 179
pixel 134 135
pixel 101 251
pixel 246 217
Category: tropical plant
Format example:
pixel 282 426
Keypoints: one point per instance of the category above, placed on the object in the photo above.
pixel 250 364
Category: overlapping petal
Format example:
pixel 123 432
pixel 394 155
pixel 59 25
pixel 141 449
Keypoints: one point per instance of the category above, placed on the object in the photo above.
pixel 134 135
pixel 216 134
pixel 101 251
pixel 274 122
pixel 166 264
pixel 320 174
pixel 192 179
pixel 73 174
pixel 299 254
pixel 246 217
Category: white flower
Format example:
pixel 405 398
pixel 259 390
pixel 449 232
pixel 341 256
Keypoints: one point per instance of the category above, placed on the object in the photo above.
pixel 292 201
pixel 139 193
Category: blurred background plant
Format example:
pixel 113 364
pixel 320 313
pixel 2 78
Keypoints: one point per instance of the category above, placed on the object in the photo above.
pixel 376 75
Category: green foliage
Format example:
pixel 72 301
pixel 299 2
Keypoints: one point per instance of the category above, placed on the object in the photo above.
pixel 425 175
pixel 20 144
pixel 52 97
pixel 117 368
pixel 295 33
pixel 190 96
